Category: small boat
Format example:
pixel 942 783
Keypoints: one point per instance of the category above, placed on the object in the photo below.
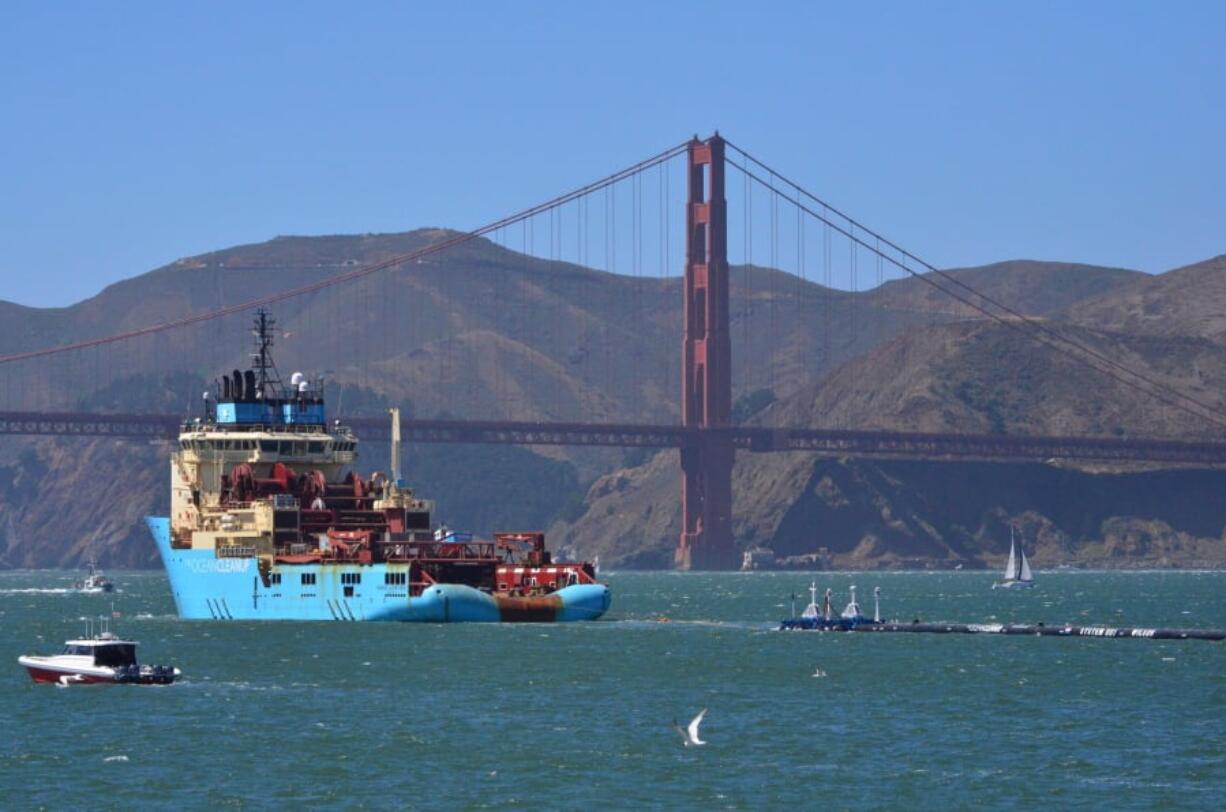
pixel 95 582
pixel 1017 571
pixel 815 618
pixel 101 658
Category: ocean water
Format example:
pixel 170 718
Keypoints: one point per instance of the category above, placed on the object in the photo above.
pixel 580 715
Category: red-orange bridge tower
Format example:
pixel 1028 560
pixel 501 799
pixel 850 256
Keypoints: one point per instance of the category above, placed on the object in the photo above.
pixel 706 380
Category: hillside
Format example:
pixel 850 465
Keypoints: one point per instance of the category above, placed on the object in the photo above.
pixel 1186 301
pixel 984 377
pixel 1028 286
pixel 484 332
pixel 973 377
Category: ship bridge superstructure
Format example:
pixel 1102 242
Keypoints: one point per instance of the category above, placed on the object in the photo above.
pixel 263 473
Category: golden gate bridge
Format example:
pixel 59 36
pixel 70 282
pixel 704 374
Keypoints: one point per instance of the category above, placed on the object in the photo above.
pixel 35 379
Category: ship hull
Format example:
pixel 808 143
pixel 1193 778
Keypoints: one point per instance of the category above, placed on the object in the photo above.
pixel 205 587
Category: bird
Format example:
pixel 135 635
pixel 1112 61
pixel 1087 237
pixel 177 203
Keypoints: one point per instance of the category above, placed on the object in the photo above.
pixel 689 734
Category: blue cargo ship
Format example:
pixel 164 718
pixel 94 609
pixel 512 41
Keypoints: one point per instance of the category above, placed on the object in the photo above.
pixel 269 521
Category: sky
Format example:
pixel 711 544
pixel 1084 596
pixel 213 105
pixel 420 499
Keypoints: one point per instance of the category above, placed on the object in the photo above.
pixel 134 134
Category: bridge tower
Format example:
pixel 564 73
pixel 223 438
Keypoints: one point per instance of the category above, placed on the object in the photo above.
pixel 706 379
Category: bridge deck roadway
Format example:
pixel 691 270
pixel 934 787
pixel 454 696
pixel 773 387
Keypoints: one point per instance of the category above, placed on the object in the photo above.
pixel 829 442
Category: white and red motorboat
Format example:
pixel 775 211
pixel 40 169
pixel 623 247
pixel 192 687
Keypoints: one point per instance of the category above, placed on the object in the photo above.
pixel 96 659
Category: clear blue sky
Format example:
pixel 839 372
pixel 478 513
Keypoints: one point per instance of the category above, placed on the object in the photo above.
pixel 134 134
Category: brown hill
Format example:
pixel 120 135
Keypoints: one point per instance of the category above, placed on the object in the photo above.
pixel 986 377
pixel 859 514
pixel 1188 301
pixel 480 331
pixel 1029 286
pixel 974 377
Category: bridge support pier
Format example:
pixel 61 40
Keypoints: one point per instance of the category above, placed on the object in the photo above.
pixel 706 379
pixel 706 498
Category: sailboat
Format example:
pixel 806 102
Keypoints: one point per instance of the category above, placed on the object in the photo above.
pixel 1017 571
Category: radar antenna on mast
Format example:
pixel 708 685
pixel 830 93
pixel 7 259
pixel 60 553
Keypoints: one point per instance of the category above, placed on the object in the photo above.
pixel 261 360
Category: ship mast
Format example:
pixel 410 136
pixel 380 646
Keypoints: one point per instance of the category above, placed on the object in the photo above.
pixel 261 359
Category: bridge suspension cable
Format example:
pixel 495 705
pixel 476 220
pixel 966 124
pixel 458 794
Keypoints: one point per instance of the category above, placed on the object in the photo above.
pixel 1026 325
pixel 522 216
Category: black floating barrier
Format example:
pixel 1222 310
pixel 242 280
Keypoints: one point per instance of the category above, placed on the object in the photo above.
pixel 1036 630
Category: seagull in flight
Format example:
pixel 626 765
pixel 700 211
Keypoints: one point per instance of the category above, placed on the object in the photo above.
pixel 689 734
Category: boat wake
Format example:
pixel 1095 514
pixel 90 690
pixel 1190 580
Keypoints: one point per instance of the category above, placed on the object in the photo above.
pixel 38 591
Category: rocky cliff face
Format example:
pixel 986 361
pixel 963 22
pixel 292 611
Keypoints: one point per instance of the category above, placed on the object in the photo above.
pixel 861 514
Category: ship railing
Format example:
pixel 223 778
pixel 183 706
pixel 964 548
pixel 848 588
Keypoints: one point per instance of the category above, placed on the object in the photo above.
pixel 407 550
pixel 451 551
pixel 200 424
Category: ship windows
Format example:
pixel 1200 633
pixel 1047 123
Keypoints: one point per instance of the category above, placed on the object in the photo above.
pixel 315 448
pixel 308 579
pixel 115 655
pixel 351 578
pixel 268 446
pixel 275 579
pixel 395 578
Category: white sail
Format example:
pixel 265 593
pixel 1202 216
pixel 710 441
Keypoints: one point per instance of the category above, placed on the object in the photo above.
pixel 1025 574
pixel 1011 567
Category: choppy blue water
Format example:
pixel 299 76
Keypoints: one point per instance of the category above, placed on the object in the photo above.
pixel 579 716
